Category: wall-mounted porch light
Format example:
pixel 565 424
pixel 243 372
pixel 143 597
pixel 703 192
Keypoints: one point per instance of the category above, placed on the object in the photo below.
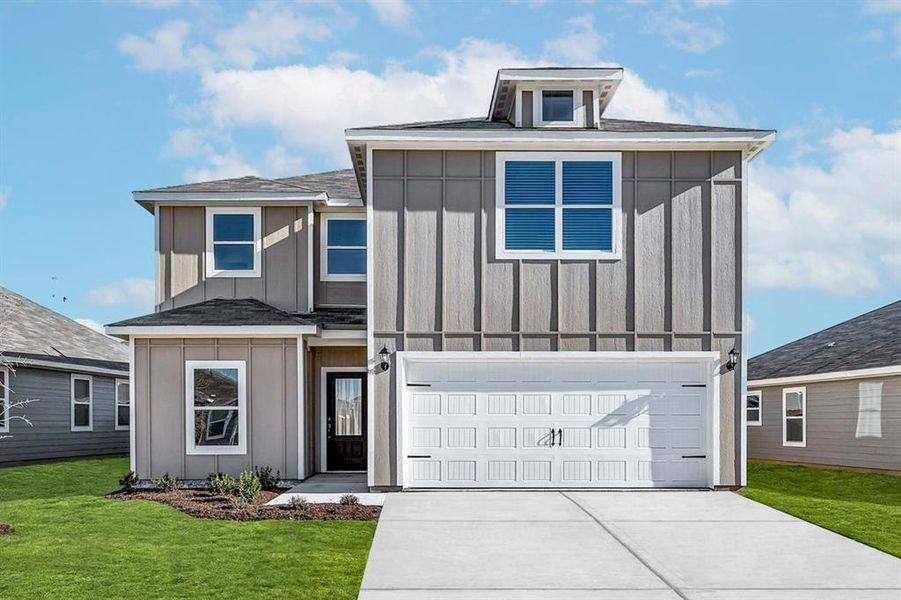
pixel 385 358
pixel 733 360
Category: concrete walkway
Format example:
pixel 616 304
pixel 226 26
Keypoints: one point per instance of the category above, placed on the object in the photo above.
pixel 613 545
pixel 327 488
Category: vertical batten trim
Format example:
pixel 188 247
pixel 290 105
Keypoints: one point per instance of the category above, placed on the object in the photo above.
pixel 132 436
pixel 301 438
pixel 743 380
pixel 370 323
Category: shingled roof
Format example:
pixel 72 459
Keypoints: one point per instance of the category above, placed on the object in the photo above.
pixel 337 184
pixel 871 340
pixel 30 330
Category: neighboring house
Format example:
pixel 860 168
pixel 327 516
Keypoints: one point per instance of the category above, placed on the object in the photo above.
pixel 551 301
pixel 831 398
pixel 75 379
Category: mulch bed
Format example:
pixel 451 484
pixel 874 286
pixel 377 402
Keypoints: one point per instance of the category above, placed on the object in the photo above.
pixel 6 529
pixel 206 505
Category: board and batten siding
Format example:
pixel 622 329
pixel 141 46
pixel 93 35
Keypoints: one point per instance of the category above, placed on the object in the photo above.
pixel 438 286
pixel 832 415
pixel 50 412
pixel 182 246
pixel 159 370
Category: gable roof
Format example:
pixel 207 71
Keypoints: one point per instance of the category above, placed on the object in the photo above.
pixel 337 184
pixel 869 341
pixel 30 330
pixel 236 184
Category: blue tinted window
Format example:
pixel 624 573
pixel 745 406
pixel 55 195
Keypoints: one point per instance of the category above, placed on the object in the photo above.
pixel 232 228
pixel 587 229
pixel 529 228
pixel 587 182
pixel 557 105
pixel 529 182
pixel 346 232
pixel 346 262
pixel 233 257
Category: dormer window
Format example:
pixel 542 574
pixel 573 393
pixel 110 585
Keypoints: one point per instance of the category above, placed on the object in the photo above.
pixel 557 106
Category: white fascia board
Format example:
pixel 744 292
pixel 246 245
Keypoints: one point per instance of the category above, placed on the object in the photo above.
pixel 343 334
pixel 604 74
pixel 424 356
pixel 214 331
pixel 34 363
pixel 832 376
pixel 344 202
pixel 230 197
pixel 490 138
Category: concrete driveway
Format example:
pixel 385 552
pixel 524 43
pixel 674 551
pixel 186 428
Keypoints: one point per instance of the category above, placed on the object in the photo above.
pixel 613 545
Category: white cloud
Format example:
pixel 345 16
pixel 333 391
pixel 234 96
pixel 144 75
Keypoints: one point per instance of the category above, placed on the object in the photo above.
pixel 580 43
pixel 186 143
pixel 835 229
pixel 4 197
pixel 395 13
pixel 131 291
pixel 882 6
pixel 709 3
pixel 277 162
pixel 686 35
pixel 703 73
pixel 167 49
pixel 221 165
pixel 90 324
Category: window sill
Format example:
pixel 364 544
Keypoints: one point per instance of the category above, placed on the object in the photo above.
pixel 754 424
pixel 120 428
pixel 561 255
pixel 81 429
pixel 216 450
pixel 794 444
pixel 233 274
pixel 357 278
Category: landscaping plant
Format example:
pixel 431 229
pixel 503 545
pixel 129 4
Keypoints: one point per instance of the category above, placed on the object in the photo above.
pixel 166 483
pixel 298 502
pixel 222 484
pixel 267 479
pixel 349 499
pixel 249 486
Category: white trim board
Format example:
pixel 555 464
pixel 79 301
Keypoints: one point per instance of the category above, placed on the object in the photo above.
pixel 4 400
pixel 138 331
pixel 831 376
pixel 323 402
pixel 32 363
pixel 190 447
pixel 208 257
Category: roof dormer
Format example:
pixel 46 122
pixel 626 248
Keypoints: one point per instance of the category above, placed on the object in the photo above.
pixel 553 97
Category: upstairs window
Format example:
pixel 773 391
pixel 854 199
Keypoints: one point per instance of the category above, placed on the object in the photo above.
pixel 343 248
pixel 557 106
pixel 123 405
pixel 82 403
pixel 234 243
pixel 563 205
pixel 794 417
pixel 754 408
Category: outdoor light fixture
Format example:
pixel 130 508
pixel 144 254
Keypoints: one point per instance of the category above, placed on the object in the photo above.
pixel 733 360
pixel 384 357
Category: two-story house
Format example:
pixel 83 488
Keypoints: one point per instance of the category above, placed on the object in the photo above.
pixel 543 297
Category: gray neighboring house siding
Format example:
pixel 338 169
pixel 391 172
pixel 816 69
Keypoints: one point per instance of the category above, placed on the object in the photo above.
pixel 50 436
pixel 832 415
pixel 159 372
pixel 437 285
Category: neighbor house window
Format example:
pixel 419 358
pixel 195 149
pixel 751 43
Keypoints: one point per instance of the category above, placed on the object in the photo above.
pixel 233 242
pixel 123 403
pixel 558 205
pixel 82 396
pixel 343 248
pixel 794 416
pixel 557 106
pixel 216 407
pixel 869 410
pixel 4 400
pixel 754 408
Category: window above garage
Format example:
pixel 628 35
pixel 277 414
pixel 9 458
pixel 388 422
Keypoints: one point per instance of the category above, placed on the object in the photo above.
pixel 558 205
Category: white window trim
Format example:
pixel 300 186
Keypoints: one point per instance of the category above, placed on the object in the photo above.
pixel 116 405
pixel 324 247
pixel 257 213
pixel 90 426
pixel 538 107
pixel 190 446
pixel 4 400
pixel 803 392
pixel 759 420
pixel 559 252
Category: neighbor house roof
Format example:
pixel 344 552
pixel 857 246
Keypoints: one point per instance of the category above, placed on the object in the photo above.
pixel 869 341
pixel 31 331
pixel 241 312
pixel 337 184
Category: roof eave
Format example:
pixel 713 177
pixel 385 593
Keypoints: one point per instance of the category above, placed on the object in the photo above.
pixel 187 331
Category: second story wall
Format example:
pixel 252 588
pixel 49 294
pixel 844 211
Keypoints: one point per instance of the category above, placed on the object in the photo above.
pixel 283 280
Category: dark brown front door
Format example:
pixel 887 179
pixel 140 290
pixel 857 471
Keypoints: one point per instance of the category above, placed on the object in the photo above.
pixel 346 421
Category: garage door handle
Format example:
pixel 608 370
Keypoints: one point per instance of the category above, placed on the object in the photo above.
pixel 419 456
pixel 553 437
pixel 560 433
pixel 694 456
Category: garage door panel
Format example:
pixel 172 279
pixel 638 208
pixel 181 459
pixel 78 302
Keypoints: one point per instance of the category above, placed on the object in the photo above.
pixel 592 425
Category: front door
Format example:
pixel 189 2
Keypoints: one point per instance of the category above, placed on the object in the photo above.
pixel 346 421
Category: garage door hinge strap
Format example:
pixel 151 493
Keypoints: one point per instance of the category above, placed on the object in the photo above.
pixel 419 385
pixel 694 456
pixel 694 385
pixel 419 456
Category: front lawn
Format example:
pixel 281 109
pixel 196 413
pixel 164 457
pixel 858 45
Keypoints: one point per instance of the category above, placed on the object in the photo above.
pixel 71 542
pixel 862 506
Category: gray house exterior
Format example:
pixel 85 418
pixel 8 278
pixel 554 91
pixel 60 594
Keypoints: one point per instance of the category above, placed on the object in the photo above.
pixel 831 398
pixel 74 379
pixel 411 318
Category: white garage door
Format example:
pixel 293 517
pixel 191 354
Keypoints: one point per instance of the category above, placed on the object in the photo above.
pixel 490 420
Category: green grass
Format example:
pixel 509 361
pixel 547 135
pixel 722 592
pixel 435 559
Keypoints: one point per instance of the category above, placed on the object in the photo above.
pixel 71 542
pixel 862 506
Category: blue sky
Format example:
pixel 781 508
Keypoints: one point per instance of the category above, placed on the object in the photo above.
pixel 103 98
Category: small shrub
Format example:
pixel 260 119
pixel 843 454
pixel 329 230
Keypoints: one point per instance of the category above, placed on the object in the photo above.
pixel 249 486
pixel 298 502
pixel 267 479
pixel 167 483
pixel 239 502
pixel 349 500
pixel 222 484
pixel 128 481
